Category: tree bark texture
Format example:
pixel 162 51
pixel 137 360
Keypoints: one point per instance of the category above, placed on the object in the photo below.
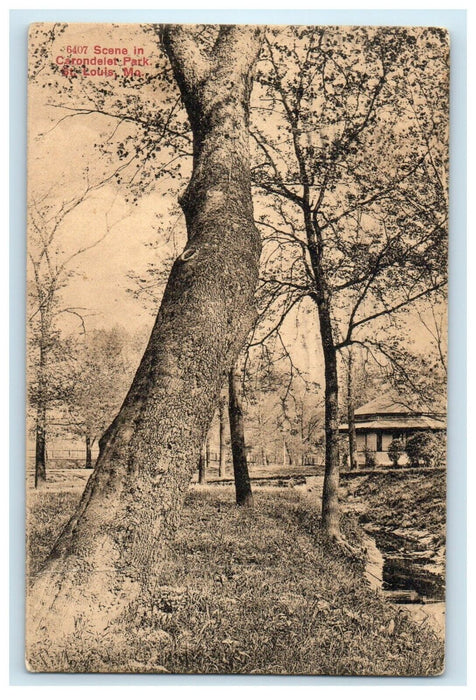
pixel 350 414
pixel 244 496
pixel 107 561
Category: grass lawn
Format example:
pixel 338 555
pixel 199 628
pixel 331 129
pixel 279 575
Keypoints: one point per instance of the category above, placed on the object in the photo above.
pixel 249 592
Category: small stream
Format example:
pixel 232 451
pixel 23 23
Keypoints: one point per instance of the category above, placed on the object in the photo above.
pixel 401 564
pixel 404 584
pixel 408 566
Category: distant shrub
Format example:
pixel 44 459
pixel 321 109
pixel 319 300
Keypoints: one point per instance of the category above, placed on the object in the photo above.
pixel 426 450
pixel 395 450
pixel 370 459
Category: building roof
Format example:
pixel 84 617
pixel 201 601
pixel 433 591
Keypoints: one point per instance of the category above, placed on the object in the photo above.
pixel 394 405
pixel 390 412
pixel 397 423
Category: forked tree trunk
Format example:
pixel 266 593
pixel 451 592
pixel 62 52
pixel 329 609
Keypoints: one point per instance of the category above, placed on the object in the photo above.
pixel 107 562
pixel 222 457
pixel 244 496
pixel 351 414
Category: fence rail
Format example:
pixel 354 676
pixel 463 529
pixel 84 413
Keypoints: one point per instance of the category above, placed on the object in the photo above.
pixel 308 460
pixel 65 454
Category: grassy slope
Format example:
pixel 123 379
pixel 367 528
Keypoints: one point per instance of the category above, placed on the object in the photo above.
pixel 248 592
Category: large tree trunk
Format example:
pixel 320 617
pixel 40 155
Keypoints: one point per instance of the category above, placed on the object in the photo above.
pixel 107 562
pixel 350 414
pixel 244 496
pixel 222 457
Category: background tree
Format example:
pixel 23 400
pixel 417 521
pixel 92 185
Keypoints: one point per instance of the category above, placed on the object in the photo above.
pixel 285 411
pixel 203 464
pixel 51 269
pixel 417 378
pixel 222 439
pixel 244 496
pixel 351 411
pixel 100 372
pixel 364 376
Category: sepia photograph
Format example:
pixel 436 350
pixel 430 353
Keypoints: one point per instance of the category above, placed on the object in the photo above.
pixel 237 267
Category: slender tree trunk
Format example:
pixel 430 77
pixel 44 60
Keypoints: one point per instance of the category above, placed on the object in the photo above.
pixel 40 444
pixel 350 414
pixel 244 495
pixel 40 429
pixel 107 562
pixel 208 454
pixel 202 465
pixel 290 457
pixel 321 297
pixel 222 458
pixel 330 494
pixel 89 459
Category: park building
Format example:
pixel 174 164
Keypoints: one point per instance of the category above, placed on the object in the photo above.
pixel 388 418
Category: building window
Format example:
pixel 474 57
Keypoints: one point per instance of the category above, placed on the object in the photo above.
pixel 379 441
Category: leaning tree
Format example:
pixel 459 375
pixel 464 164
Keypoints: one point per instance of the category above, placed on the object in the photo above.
pixel 107 560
